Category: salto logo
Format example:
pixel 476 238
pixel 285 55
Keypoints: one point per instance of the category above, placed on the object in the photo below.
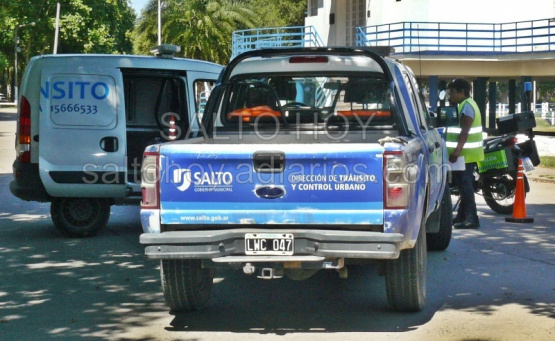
pixel 182 178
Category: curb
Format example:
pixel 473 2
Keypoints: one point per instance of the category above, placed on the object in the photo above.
pixel 542 180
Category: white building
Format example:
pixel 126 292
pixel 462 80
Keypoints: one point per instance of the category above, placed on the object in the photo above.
pixel 336 20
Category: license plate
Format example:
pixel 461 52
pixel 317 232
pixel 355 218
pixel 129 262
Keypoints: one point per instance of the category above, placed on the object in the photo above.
pixel 269 244
pixel 528 165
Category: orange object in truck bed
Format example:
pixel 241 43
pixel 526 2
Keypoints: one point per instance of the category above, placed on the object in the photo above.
pixel 247 113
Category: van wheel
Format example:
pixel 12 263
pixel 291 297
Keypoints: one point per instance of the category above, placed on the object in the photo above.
pixel 405 277
pixel 80 217
pixel 440 241
pixel 186 284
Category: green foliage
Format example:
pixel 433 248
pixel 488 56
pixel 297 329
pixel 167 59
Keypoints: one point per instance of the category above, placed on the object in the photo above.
pixel 279 13
pixel 86 26
pixel 543 124
pixel 203 28
pixel 3 62
pixel 547 162
pixel 546 91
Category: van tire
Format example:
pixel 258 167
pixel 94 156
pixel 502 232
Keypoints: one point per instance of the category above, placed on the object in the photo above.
pixel 440 241
pixel 186 285
pixel 405 277
pixel 80 217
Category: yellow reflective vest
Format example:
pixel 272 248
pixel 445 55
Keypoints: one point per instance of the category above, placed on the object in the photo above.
pixel 473 149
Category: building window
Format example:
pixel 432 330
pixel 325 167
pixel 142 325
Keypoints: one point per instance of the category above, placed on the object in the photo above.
pixel 313 8
pixel 355 17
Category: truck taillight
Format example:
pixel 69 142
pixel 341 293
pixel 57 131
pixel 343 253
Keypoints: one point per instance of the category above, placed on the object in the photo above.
pixel 398 179
pixel 24 131
pixel 150 180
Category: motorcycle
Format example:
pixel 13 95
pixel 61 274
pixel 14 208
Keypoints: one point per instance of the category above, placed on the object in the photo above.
pixel 495 178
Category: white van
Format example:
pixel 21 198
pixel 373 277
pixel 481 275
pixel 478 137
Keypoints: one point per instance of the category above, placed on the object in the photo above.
pixel 84 121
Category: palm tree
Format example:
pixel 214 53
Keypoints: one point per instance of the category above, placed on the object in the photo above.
pixel 202 28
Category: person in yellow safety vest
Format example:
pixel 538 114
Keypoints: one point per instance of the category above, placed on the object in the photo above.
pixel 465 140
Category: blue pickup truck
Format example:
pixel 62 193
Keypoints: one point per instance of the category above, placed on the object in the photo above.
pixel 309 159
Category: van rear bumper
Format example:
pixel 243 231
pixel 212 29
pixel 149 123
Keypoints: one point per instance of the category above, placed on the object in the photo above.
pixel 27 184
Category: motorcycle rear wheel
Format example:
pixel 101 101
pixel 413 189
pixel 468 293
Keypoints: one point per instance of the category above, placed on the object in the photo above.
pixel 500 192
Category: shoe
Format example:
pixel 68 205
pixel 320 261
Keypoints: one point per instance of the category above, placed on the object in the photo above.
pixel 466 225
pixel 457 220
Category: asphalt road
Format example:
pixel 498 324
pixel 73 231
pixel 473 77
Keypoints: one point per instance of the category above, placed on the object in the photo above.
pixel 494 283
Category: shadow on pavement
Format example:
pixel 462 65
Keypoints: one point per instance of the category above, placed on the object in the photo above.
pixel 502 277
pixel 52 286
pixel 103 287
pixel 321 304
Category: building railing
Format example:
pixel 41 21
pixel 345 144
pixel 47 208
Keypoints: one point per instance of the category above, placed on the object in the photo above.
pixel 292 36
pixel 468 38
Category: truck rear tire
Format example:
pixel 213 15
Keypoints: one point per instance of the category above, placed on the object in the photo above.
pixel 405 277
pixel 80 217
pixel 440 241
pixel 186 285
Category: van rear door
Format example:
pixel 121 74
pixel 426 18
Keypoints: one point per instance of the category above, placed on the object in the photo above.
pixel 82 132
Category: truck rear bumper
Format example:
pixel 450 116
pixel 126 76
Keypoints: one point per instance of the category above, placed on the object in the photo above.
pixel 214 244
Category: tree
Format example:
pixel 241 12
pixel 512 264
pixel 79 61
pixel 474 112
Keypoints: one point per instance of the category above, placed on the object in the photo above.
pixel 86 26
pixel 546 91
pixel 202 28
pixel 91 26
pixel 279 13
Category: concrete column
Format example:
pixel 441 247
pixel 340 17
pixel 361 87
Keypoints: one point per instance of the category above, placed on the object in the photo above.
pixel 479 95
pixel 512 96
pixel 492 105
pixel 433 85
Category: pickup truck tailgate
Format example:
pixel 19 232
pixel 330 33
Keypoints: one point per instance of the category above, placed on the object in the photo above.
pixel 271 184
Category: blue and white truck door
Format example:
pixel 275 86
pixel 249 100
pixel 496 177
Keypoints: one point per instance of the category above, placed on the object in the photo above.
pixel 82 132
pixel 414 148
pixel 432 146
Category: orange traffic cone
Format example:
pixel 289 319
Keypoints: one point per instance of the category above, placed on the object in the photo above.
pixel 519 207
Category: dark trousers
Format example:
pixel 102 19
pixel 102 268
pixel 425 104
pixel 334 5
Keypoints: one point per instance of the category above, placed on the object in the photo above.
pixel 464 181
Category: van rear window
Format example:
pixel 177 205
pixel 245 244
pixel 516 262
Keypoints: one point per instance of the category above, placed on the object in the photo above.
pixel 82 100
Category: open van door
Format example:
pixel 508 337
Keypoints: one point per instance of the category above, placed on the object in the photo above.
pixel 80 111
pixel 201 85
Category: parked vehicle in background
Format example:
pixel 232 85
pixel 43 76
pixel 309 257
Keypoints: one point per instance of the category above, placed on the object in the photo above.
pixel 83 124
pixel 314 158
pixel 495 177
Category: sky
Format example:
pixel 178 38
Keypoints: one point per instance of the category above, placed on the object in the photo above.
pixel 138 5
